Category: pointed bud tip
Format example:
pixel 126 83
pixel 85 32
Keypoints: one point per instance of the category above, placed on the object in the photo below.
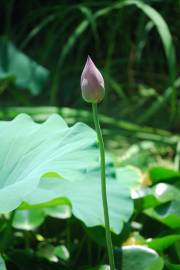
pixel 92 83
pixel 89 63
pixel 89 59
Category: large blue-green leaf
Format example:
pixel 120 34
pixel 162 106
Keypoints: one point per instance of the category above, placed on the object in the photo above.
pixel 52 164
pixel 29 150
pixel 131 177
pixel 2 264
pixel 85 197
pixel 17 66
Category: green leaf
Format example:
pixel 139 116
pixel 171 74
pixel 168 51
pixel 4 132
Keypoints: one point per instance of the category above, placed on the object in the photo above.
pixel 28 219
pixel 46 251
pixel 102 267
pixel 2 264
pixel 62 252
pixel 168 213
pixel 162 243
pixel 172 266
pixel 139 256
pixel 85 197
pixel 154 196
pixel 53 253
pixel 59 211
pixel 30 150
pixel 159 173
pixel 28 74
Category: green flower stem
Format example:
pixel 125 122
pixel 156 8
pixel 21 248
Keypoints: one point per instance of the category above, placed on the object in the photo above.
pixel 103 187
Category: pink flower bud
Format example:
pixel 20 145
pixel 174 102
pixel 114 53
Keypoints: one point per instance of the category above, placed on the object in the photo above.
pixel 92 83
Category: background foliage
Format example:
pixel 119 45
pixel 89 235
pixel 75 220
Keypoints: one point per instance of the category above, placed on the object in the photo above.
pixel 43 48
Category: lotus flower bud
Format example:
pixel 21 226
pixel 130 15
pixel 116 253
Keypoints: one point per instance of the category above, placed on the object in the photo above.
pixel 92 83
